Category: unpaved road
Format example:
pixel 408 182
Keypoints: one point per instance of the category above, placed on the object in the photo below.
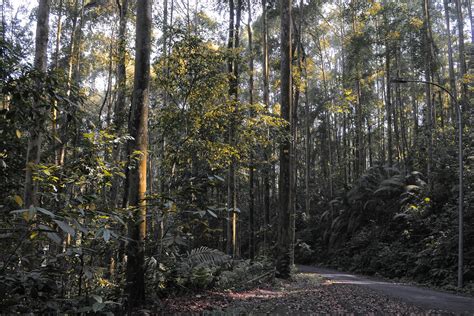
pixel 423 298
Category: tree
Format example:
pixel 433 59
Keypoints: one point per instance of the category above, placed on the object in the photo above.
pixel 138 128
pixel 284 183
pixel 119 110
pixel 251 164
pixel 266 102
pixel 35 138
pixel 462 56
pixel 233 69
pixel 452 79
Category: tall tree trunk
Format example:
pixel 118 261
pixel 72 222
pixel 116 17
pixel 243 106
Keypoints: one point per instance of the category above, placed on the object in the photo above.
pixel 251 164
pixel 471 20
pixel 4 23
pixel 294 133
pixel 266 102
pixel 54 110
pixel 120 114
pixel 395 110
pixel 232 67
pixel 462 57
pixel 231 171
pixel 428 69
pixel 284 234
pixel 452 80
pixel 388 105
pixel 33 153
pixel 327 154
pixel 307 140
pixel 73 53
pixel 235 234
pixel 120 117
pixel 138 128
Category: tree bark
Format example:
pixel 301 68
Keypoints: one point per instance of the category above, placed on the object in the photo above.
pixel 73 53
pixel 284 234
pixel 138 128
pixel 233 69
pixel 251 164
pixel 266 102
pixel 120 114
pixel 471 20
pixel 452 80
pixel 428 68
pixel 54 110
pixel 462 57
pixel 307 139
pixel 231 172
pixel 33 153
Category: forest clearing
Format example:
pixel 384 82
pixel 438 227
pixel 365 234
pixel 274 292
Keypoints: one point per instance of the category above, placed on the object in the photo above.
pixel 185 156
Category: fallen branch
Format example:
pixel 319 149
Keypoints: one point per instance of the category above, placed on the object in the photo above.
pixel 261 277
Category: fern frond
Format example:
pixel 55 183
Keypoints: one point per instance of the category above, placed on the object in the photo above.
pixel 205 256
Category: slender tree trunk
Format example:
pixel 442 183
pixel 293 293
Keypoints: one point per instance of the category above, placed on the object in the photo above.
pixel 388 105
pixel 428 69
pixel 138 127
pixel 107 101
pixel 403 120
pixel 294 135
pixel 233 70
pixel 33 153
pixel 161 153
pixel 73 53
pixel 396 127
pixel 77 69
pixel 471 20
pixel 266 102
pixel 73 43
pixel 327 162
pixel 251 164
pixel 415 142
pixel 54 110
pixel 307 147
pixel 4 23
pixel 58 34
pixel 231 172
pixel 284 234
pixel 462 57
pixel 235 234
pixel 452 80
pixel 120 113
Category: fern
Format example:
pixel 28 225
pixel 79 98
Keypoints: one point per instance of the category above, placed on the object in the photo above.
pixel 205 256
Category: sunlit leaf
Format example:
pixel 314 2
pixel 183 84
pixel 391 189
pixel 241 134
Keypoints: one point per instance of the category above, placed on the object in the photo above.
pixel 34 234
pixel 18 200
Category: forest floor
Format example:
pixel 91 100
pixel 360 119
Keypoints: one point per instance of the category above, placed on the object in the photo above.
pixel 314 290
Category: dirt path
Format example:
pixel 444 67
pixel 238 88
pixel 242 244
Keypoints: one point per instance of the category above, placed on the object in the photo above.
pixel 423 298
pixel 308 293
pixel 314 291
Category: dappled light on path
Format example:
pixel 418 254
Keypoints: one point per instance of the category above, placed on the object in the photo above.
pixel 305 293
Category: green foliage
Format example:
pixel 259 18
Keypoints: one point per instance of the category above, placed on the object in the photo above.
pixel 203 268
pixel 390 225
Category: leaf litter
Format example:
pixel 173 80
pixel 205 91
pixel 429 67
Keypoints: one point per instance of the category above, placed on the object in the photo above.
pixel 305 293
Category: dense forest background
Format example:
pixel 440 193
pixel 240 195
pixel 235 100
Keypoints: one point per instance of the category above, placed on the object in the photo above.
pixel 150 148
